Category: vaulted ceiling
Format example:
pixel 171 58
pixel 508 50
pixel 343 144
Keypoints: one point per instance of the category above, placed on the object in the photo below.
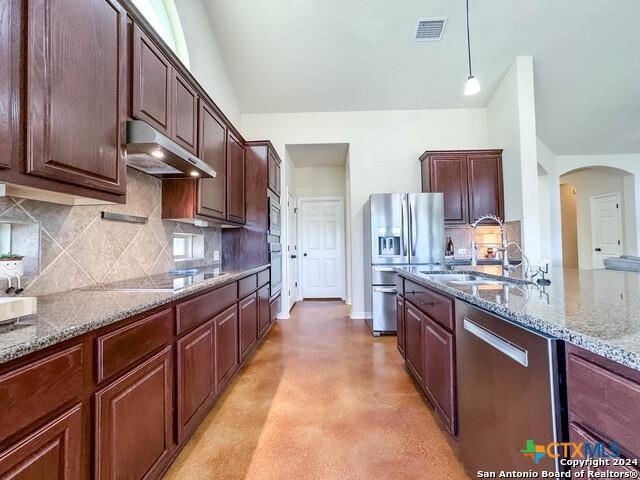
pixel 339 55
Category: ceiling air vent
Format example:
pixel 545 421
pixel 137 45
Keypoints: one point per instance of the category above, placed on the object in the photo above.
pixel 430 29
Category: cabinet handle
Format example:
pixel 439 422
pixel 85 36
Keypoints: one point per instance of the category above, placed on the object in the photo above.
pixel 426 304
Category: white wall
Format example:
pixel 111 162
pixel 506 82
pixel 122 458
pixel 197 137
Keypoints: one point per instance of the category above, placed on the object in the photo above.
pixel 590 182
pixel 320 181
pixel 384 147
pixel 549 206
pixel 630 163
pixel 207 64
pixel 511 125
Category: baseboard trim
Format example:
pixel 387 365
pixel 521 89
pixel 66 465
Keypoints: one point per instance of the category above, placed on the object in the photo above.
pixel 283 316
pixel 360 315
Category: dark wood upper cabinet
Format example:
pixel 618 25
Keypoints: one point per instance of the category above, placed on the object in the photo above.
pixel 51 452
pixel 448 174
pixel 196 376
pixel 485 186
pixel 212 196
pixel 152 83
pixel 471 182
pixel 438 371
pixel 274 172
pixel 185 114
pixel 76 92
pixel 413 328
pixel 235 179
pixel 8 87
pixel 134 421
pixel 248 324
pixel 226 335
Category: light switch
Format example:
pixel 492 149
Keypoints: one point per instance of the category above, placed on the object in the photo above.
pixel 462 251
pixel 216 255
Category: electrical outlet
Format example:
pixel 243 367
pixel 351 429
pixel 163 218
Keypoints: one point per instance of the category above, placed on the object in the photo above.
pixel 462 251
pixel 216 255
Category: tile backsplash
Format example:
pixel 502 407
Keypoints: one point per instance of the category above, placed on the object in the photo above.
pixel 78 248
pixel 463 235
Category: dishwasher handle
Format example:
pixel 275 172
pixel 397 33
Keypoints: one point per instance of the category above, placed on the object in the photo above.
pixel 510 350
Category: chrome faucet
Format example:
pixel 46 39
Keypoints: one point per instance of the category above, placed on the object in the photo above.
pixel 503 240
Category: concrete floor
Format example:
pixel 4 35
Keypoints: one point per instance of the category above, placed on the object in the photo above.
pixel 320 399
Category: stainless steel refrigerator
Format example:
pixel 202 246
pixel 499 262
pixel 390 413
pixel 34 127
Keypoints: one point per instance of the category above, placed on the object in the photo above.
pixel 400 229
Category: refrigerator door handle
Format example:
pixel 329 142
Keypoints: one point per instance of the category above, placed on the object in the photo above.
pixel 412 231
pixel 403 217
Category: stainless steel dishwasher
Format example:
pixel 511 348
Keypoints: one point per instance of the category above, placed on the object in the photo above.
pixel 508 380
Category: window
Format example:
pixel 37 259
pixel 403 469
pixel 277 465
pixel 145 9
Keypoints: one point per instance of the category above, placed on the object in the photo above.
pixel 163 17
pixel 187 246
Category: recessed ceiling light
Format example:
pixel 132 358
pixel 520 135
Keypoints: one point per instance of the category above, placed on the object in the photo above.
pixel 157 153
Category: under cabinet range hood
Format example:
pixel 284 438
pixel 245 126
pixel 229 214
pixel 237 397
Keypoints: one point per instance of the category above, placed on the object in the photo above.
pixel 156 154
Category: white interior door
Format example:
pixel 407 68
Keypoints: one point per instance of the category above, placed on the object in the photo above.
pixel 606 227
pixel 321 232
pixel 292 250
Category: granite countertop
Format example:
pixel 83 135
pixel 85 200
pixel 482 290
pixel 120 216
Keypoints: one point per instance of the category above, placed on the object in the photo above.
pixel 598 310
pixel 65 315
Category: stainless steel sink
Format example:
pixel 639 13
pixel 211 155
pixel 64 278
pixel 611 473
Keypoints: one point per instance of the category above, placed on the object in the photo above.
pixel 467 279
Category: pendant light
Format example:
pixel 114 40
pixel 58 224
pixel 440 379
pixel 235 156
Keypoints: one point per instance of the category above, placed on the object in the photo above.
pixel 472 86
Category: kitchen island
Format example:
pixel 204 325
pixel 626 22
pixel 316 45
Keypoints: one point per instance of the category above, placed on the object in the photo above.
pixel 463 334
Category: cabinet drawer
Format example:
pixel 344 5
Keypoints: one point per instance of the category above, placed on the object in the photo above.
pixel 607 403
pixel 438 307
pixel 191 313
pixel 53 451
pixel 126 346
pixel 37 389
pixel 247 285
pixel 263 278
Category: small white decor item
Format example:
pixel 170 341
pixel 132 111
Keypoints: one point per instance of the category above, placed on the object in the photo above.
pixel 11 268
pixel 11 308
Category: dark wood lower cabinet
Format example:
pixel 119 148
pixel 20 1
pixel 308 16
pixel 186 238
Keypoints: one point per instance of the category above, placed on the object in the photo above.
pixel 248 321
pixel 134 421
pixel 52 452
pixel 226 335
pixel 413 327
pixel 400 322
pixel 196 376
pixel 264 310
pixel 426 340
pixel 438 371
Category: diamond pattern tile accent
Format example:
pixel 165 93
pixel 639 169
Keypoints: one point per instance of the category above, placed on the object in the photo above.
pixel 78 248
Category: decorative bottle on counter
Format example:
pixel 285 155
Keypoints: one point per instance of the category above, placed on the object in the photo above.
pixel 449 250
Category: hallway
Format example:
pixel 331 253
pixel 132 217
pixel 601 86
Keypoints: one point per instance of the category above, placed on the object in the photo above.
pixel 320 399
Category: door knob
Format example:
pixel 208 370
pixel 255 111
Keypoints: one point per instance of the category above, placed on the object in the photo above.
pixel 294 256
pixel 598 249
pixel 305 254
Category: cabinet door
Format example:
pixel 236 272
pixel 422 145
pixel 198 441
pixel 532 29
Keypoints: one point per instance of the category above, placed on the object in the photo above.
pixel 185 114
pixel 53 452
pixel 226 335
pixel 485 186
pixel 212 192
pixel 133 421
pixel 196 376
pixel 9 10
pixel 151 89
pixel 413 325
pixel 580 435
pixel 400 321
pixel 274 173
pixel 448 174
pixel 438 371
pixel 76 92
pixel 264 310
pixel 235 180
pixel 248 320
